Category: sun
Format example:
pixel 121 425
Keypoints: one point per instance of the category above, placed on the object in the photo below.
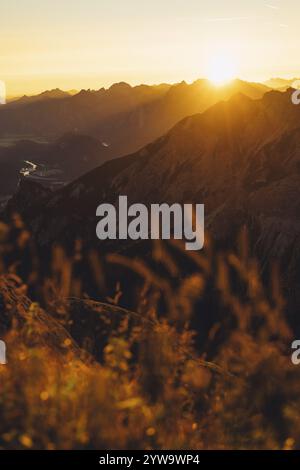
pixel 221 69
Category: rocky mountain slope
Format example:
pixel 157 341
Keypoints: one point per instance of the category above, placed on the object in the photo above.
pixel 240 158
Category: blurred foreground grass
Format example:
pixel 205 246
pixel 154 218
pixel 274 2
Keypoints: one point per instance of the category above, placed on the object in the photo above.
pixel 149 385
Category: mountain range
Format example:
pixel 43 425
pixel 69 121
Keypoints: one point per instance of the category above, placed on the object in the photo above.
pixel 281 83
pixel 56 93
pixel 241 158
pixel 240 155
pixel 236 150
pixel 45 129
pixel 124 117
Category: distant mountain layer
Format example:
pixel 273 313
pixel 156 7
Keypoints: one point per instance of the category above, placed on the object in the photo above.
pixel 125 117
pixel 46 95
pixel 281 83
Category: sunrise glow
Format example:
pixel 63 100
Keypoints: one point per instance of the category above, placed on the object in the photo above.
pixel 222 69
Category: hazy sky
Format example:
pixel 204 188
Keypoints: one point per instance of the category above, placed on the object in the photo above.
pixel 92 43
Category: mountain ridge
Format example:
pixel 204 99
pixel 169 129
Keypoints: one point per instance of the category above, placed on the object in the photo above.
pixel 125 117
pixel 240 158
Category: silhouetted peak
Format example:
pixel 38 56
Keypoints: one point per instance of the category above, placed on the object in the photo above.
pixel 121 86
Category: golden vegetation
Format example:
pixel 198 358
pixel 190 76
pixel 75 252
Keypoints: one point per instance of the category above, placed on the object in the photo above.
pixel 155 386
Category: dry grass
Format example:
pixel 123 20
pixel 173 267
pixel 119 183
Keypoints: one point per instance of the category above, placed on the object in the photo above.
pixel 153 386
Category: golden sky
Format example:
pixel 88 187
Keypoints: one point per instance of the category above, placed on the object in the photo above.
pixel 74 44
